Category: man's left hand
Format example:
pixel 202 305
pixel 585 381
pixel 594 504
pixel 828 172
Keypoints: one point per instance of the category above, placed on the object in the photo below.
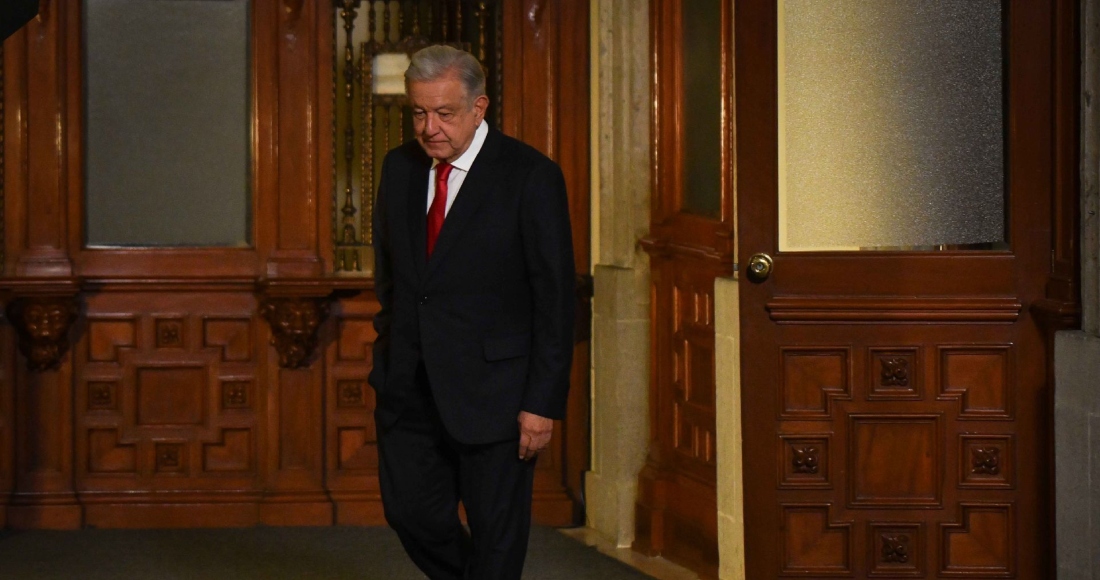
pixel 534 434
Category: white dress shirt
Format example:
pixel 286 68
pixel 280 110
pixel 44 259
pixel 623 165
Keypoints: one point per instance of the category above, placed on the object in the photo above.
pixel 461 168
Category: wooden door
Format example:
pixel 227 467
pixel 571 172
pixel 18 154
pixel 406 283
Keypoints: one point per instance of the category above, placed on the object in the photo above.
pixel 690 244
pixel 896 403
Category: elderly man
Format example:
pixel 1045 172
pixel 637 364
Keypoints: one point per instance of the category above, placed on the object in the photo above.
pixel 474 273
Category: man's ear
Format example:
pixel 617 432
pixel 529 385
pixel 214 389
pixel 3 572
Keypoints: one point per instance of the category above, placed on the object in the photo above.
pixel 480 105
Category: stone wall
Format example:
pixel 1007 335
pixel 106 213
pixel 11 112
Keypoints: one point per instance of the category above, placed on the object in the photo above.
pixel 621 194
pixel 731 495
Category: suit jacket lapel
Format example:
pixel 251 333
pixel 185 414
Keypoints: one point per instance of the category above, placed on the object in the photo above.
pixel 418 210
pixel 475 189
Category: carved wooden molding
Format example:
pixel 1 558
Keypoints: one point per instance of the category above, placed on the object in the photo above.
pixel 43 324
pixel 895 548
pixel 893 310
pixel 985 460
pixel 805 460
pixel 1056 314
pixel 895 372
pixel 296 308
pixel 661 247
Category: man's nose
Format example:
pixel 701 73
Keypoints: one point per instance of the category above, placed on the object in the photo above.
pixel 430 124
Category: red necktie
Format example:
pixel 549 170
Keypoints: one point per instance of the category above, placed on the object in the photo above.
pixel 438 211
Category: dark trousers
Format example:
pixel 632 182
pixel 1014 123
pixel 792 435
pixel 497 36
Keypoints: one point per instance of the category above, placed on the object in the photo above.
pixel 424 473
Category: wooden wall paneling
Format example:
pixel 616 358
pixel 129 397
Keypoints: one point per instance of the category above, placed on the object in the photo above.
pixel 36 232
pixel 298 201
pixel 351 443
pixel 39 95
pixel 299 320
pixel 298 198
pixel 7 449
pixel 165 399
pixel 545 50
pixel 169 398
pixel 7 431
pixel 14 178
pixel 295 490
pixel 43 495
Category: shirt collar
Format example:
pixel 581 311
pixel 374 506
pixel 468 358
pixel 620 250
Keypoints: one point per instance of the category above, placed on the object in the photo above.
pixel 466 160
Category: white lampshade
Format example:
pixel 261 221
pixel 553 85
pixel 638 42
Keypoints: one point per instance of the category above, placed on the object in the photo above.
pixel 389 73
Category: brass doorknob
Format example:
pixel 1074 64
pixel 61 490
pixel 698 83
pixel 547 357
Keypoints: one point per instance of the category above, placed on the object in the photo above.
pixel 760 267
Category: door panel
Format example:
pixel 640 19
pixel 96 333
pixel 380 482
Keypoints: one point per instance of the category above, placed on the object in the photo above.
pixel 890 396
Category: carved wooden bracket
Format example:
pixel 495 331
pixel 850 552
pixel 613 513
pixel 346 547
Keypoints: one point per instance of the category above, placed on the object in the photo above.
pixel 296 308
pixel 294 322
pixel 43 323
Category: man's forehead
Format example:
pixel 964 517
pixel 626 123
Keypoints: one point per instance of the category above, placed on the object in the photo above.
pixel 444 91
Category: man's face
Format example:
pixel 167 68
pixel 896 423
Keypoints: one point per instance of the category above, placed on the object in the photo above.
pixel 443 119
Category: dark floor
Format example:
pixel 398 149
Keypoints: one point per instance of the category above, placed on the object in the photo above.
pixel 263 553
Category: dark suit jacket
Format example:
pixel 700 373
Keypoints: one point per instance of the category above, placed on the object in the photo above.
pixel 491 313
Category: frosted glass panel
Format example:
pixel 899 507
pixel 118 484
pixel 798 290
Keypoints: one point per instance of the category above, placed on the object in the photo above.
pixel 702 62
pixel 167 117
pixel 891 124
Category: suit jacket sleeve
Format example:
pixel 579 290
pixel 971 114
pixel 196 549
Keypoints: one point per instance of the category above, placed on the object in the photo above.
pixel 548 252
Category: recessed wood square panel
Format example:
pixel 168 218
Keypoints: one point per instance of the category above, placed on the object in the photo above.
pixel 170 458
pixel 679 387
pixel 894 374
pixel 895 461
pixel 358 448
pixel 896 549
pixel 171 333
pixel 811 378
pixel 987 461
pixel 812 545
pixel 105 455
pixel 236 394
pixel 981 545
pixel 693 432
pixel 232 335
pixel 804 462
pixel 170 395
pixel 233 453
pixel 102 396
pixel 980 378
pixel 351 394
pixel 699 372
pixel 353 343
pixel 105 336
pixel 692 307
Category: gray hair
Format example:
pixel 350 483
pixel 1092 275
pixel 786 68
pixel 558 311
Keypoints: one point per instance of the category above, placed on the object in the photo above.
pixel 436 61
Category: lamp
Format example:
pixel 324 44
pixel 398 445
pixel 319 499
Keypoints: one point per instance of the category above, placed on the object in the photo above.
pixel 388 70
